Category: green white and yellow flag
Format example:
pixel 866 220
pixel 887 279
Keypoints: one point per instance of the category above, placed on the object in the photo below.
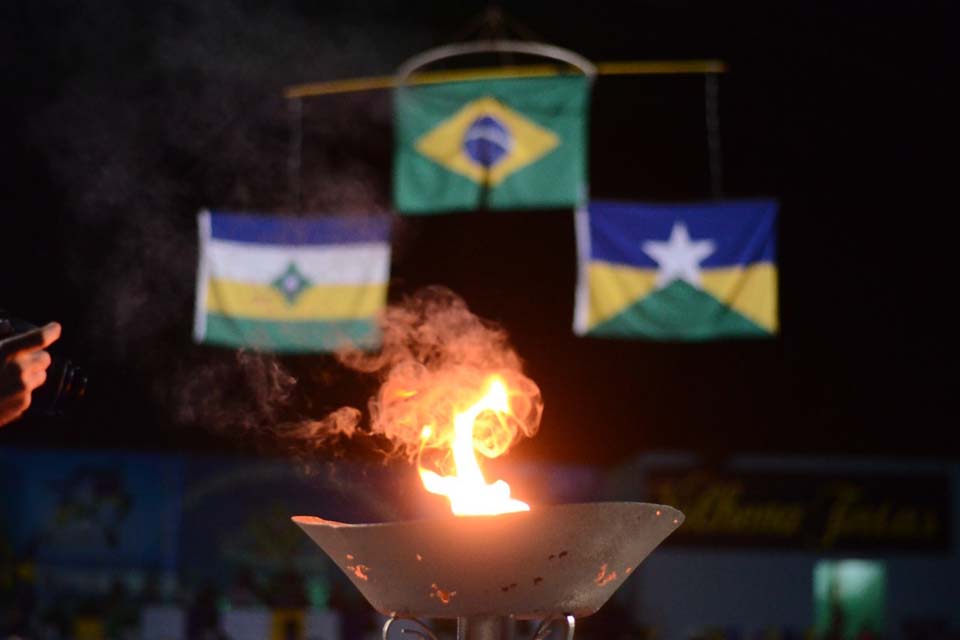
pixel 291 284
pixel 514 143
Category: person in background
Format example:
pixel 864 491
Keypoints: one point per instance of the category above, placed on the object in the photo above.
pixel 23 366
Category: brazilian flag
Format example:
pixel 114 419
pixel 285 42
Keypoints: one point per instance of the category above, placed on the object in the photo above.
pixel 510 143
pixel 677 271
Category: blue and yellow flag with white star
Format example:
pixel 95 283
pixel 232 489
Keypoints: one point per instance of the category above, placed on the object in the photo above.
pixel 291 284
pixel 515 143
pixel 677 271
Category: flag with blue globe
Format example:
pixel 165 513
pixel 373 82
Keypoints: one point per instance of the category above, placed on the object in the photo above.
pixel 516 143
pixel 487 141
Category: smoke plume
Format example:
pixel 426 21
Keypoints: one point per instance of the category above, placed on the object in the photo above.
pixel 162 110
pixel 436 359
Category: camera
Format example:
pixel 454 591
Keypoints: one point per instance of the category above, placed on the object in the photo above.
pixel 66 383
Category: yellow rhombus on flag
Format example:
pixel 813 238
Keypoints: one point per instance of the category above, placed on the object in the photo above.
pixel 523 140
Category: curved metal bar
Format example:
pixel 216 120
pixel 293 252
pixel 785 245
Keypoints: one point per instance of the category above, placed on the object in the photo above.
pixel 544 629
pixel 424 631
pixel 494 46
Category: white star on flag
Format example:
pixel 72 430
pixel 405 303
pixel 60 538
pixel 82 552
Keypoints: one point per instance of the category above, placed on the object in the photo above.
pixel 679 257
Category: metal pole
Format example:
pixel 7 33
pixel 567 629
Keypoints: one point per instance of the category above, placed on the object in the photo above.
pixel 481 628
pixel 623 68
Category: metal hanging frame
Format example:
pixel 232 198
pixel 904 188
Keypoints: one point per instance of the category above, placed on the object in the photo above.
pixel 538 49
pixel 411 73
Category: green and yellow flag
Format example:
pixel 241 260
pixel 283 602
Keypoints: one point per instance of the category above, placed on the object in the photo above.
pixel 515 143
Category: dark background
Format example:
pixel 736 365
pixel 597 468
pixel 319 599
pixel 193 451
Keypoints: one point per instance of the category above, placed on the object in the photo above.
pixel 121 122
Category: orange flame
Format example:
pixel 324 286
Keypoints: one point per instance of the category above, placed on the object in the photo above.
pixel 485 426
pixel 451 387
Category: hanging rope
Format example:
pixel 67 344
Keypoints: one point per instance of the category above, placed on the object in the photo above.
pixel 711 92
pixel 295 157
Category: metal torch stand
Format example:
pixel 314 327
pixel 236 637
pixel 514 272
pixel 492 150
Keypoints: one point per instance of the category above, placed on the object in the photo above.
pixel 483 628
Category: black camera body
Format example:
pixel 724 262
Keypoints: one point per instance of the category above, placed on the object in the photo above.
pixel 66 382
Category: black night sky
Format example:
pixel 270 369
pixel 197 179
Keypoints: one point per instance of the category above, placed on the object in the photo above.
pixel 123 121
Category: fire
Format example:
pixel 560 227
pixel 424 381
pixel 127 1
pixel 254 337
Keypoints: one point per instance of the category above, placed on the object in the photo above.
pixel 450 387
pixel 485 426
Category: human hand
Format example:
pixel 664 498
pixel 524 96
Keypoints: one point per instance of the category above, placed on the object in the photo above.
pixel 23 368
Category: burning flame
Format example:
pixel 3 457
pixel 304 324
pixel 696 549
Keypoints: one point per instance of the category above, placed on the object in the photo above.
pixel 450 387
pixel 485 426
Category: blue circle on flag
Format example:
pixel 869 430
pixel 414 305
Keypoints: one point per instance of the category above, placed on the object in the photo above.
pixel 487 141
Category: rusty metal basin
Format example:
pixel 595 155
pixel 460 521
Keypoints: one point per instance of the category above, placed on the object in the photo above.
pixel 564 559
